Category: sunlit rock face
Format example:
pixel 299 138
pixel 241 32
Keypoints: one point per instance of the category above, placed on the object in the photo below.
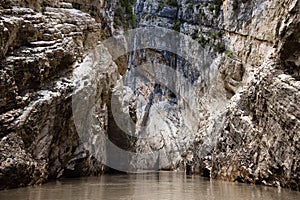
pixel 42 42
pixel 259 141
pixel 234 117
pixel 179 117
pixel 245 125
pixel 180 109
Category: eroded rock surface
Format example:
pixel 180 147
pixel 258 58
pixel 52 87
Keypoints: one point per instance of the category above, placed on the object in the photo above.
pixel 260 139
pixel 238 120
pixel 246 126
pixel 42 42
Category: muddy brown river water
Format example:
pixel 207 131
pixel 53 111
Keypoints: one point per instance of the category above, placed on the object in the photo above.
pixel 161 185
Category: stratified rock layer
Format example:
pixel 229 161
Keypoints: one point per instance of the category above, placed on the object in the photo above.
pixel 41 43
pixel 253 134
pixel 242 121
pixel 259 141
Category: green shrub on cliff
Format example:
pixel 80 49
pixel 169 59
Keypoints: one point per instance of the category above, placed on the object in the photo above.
pixel 124 14
pixel 172 3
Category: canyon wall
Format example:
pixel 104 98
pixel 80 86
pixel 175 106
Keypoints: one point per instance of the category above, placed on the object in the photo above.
pixel 259 141
pixel 42 42
pixel 246 125
pixel 237 119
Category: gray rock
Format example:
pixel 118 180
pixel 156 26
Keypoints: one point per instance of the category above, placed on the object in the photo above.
pixel 242 122
pixel 39 50
pixel 168 12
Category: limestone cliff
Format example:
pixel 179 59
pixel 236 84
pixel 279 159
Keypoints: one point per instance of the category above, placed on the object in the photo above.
pixel 42 42
pixel 251 134
pixel 259 141
pixel 237 120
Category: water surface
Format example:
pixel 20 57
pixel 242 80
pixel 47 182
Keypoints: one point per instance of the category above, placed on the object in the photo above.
pixel 160 186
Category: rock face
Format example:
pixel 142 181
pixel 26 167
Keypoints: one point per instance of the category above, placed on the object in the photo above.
pixel 42 42
pixel 259 141
pixel 237 120
pixel 251 134
pixel 181 109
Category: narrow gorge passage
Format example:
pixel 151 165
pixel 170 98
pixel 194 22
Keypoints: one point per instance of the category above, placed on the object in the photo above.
pixel 207 88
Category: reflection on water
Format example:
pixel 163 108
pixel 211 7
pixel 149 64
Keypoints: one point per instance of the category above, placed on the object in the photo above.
pixel 162 185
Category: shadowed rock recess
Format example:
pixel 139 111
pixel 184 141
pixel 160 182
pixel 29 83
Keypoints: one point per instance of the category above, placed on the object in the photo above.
pixel 239 119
